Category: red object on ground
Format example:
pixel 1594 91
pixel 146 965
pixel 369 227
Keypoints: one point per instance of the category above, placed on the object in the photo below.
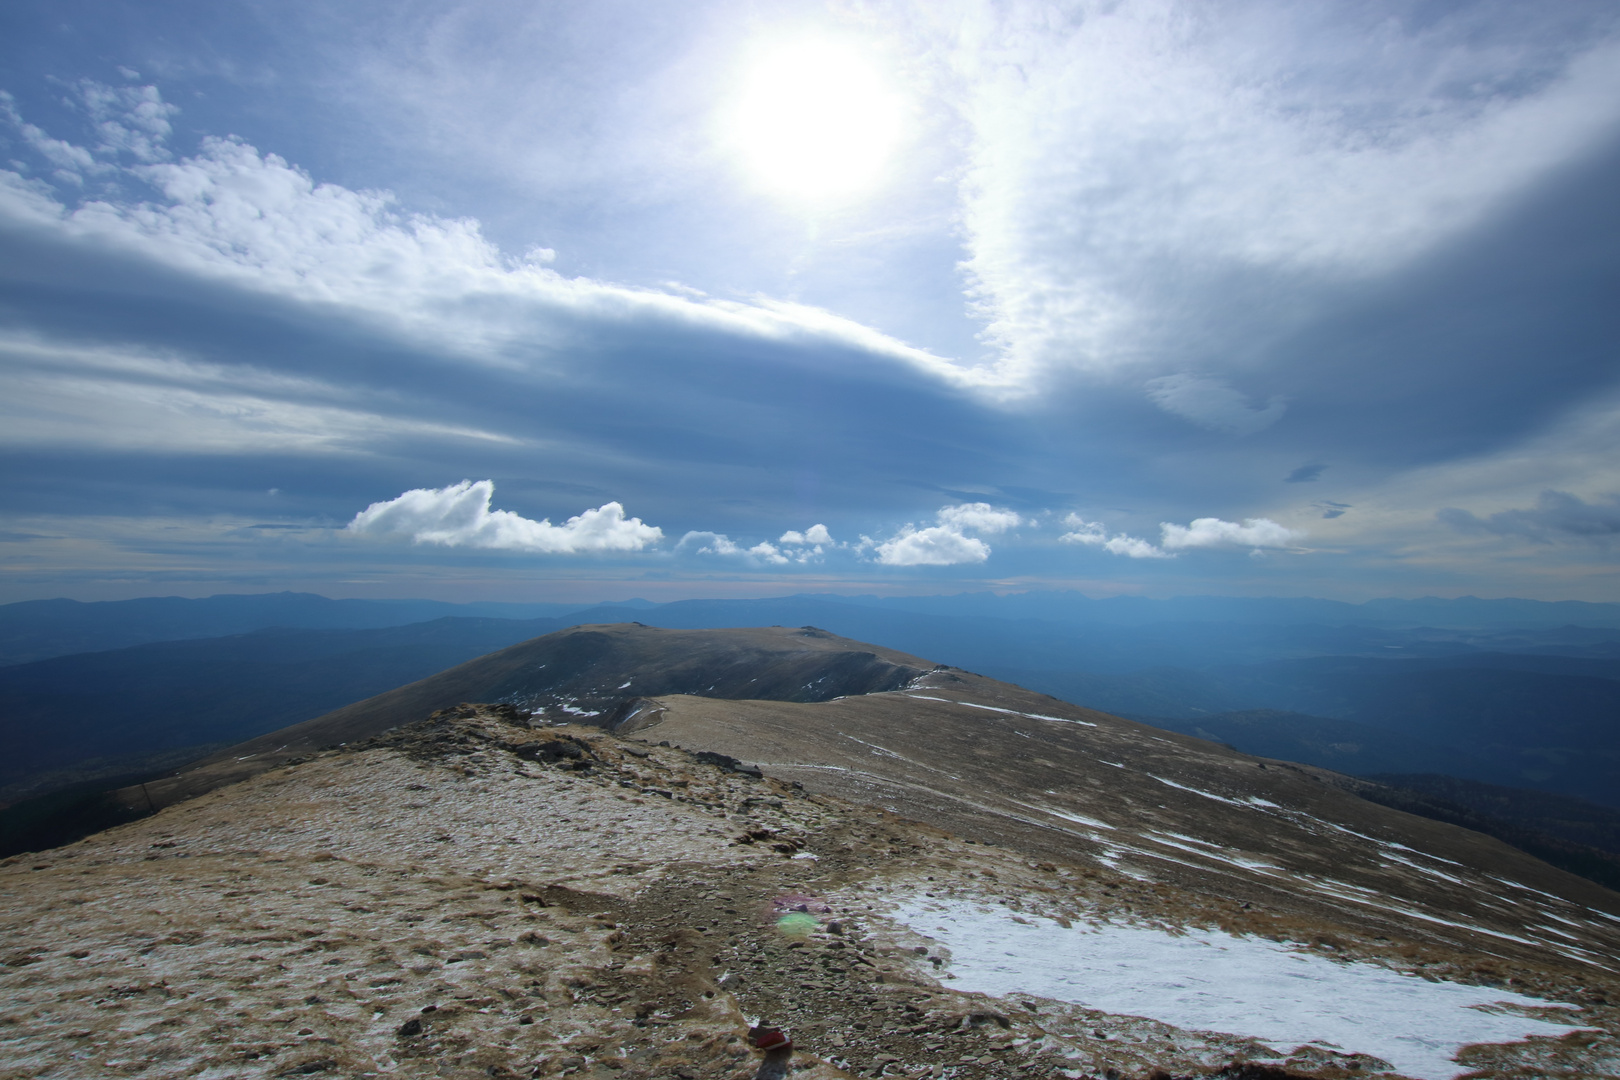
pixel 778 1048
pixel 769 1038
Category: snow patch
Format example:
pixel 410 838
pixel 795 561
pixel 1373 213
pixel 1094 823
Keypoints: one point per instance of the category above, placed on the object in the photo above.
pixel 1057 719
pixel 1009 712
pixel 1212 981
pixel 1420 868
pixel 1078 819
pixel 1209 794
pixel 1358 895
pixel 1224 855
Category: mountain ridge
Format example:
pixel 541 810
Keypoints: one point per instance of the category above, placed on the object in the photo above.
pixel 796 664
pixel 942 873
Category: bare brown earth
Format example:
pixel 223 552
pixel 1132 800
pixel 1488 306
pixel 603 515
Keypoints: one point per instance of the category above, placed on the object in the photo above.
pixel 493 892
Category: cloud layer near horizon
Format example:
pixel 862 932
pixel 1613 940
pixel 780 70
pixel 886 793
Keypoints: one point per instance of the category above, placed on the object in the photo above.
pixel 460 515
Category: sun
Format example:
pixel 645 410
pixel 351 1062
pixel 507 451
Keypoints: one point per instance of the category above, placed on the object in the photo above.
pixel 815 120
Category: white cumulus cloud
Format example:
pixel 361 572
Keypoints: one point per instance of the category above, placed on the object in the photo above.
pixel 978 517
pixel 1095 534
pixel 713 543
pixel 459 516
pixel 807 546
pixel 765 551
pixel 1213 532
pixel 815 534
pixel 1204 532
pixel 937 545
pixel 947 543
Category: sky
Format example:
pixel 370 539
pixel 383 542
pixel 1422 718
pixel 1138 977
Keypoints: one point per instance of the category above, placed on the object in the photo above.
pixel 588 300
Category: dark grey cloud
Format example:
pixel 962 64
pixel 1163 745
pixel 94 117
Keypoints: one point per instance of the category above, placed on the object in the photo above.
pixel 1493 337
pixel 1304 474
pixel 1557 516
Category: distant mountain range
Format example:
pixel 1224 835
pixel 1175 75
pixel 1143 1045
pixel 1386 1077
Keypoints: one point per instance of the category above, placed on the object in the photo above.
pixel 1465 612
pixel 39 629
pixel 72 719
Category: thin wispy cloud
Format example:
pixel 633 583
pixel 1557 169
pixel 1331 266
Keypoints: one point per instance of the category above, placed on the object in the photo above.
pixel 257 221
pixel 1270 146
pixel 1211 403
pixel 1213 532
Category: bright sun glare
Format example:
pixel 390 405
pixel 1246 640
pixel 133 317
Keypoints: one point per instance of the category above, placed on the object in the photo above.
pixel 815 120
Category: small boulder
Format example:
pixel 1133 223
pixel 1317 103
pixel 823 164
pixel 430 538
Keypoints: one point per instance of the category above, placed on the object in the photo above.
pixel 549 752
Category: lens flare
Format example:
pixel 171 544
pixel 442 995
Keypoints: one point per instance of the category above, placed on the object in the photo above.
pixel 796 924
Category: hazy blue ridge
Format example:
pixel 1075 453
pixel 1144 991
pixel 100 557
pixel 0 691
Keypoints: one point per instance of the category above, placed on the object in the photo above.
pixel 38 629
pixel 1468 612
pixel 1183 626
pixel 122 706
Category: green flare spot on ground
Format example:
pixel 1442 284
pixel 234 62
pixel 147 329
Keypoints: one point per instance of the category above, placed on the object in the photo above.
pixel 796 924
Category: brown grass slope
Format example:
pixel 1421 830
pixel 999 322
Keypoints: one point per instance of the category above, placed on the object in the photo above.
pixel 1012 767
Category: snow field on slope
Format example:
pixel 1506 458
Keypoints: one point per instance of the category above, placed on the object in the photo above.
pixel 1212 981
